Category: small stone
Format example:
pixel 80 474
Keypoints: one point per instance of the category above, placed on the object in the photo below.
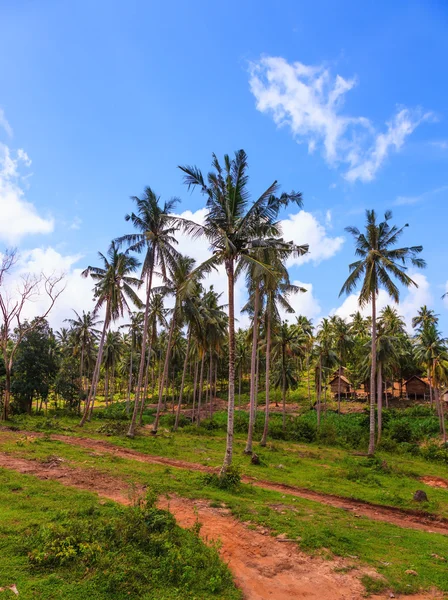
pixel 279 467
pixel 420 496
pixel 255 460
pixel 411 572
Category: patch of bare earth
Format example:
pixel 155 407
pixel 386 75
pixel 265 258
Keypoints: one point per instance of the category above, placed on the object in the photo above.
pixel 264 567
pixel 389 514
pixel 437 482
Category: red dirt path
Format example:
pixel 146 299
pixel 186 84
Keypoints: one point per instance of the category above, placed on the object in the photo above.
pixel 389 514
pixel 264 567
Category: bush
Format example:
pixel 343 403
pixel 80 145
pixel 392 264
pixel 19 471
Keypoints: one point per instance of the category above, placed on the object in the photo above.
pixel 128 552
pixel 115 412
pixel 401 431
pixel 113 428
pixel 229 480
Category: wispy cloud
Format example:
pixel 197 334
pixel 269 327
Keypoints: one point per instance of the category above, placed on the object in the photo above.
pixel 76 223
pixel 4 123
pixel 409 200
pixel 309 100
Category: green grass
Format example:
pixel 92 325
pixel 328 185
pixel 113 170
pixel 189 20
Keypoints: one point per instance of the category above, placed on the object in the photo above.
pixel 389 479
pixel 328 531
pixel 56 542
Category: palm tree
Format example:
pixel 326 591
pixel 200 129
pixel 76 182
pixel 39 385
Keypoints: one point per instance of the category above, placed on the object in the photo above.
pixel 135 331
pixel 431 350
pixel 305 327
pixel 343 342
pixel 277 289
pixel 113 346
pixel 114 287
pixel 326 360
pixel 379 262
pixel 85 335
pixel 156 227
pixel 181 283
pixel 287 343
pixel 156 317
pixel 234 229
pixel 424 319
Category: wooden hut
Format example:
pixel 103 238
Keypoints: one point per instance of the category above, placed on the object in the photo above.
pixel 340 382
pixel 417 388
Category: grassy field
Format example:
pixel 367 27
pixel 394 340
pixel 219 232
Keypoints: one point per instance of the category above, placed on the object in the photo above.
pixel 56 542
pixel 391 550
pixel 390 479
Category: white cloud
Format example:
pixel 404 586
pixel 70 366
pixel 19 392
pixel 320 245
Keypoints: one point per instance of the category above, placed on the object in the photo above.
pixel 18 217
pixel 309 101
pixel 4 123
pixel 304 228
pixel 412 300
pixel 305 304
pixel 409 200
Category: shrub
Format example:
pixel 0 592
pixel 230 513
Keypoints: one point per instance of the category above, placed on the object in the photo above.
pixel 229 480
pixel 400 431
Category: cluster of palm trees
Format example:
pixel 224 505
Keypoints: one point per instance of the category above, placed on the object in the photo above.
pixel 198 331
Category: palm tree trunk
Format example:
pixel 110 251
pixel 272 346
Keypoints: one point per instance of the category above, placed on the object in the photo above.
pixel 201 383
pixel 339 385
pixel 96 372
pixel 309 379
pixel 253 367
pixel 319 392
pixel 138 389
pixel 430 386
pixel 106 386
pixel 128 399
pixel 267 382
pixel 145 388
pixel 373 379
pixel 231 398
pixel 380 401
pixel 210 384
pixel 164 374
pixel 187 352
pixel 195 385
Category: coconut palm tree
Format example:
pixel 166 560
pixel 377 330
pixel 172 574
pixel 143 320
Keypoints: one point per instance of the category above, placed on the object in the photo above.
pixel 85 335
pixel 379 263
pixel 431 350
pixel 424 319
pixel 277 290
pixel 114 288
pixel 181 283
pixel 113 347
pixel 156 226
pixel 135 333
pixel 235 227
pixel 343 342
pixel 156 317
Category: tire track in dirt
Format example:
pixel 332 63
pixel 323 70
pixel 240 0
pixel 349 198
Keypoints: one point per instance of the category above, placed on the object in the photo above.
pixel 389 514
pixel 263 567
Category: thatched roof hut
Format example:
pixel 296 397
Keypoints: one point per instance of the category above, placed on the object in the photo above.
pixel 416 387
pixel 340 382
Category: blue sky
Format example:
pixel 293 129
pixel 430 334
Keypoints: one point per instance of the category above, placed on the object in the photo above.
pixel 344 101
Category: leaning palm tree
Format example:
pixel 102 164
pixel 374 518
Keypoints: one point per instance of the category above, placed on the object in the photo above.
pixel 156 227
pixel 114 287
pixel 379 262
pixel 135 332
pixel 234 228
pixel 85 335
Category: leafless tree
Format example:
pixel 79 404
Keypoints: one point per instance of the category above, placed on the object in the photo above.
pixel 12 304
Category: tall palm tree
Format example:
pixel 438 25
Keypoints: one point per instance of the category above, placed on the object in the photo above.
pixel 305 327
pixel 114 287
pixel 277 290
pixel 113 346
pixel 343 342
pixel 155 227
pixel 234 227
pixel 135 332
pixel 85 335
pixel 181 283
pixel 379 262
pixel 424 319
pixel 431 350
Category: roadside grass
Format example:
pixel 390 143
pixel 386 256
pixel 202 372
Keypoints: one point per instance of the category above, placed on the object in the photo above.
pixel 57 542
pixel 388 479
pixel 321 529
